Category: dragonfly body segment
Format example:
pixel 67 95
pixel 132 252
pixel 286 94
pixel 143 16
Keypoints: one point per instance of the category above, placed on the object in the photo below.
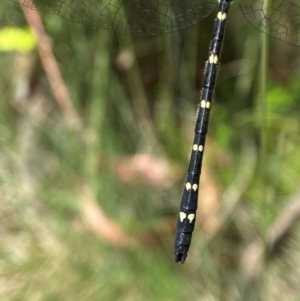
pixel 189 201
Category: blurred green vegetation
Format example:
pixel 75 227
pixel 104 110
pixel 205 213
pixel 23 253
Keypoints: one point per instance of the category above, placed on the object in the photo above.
pixel 136 100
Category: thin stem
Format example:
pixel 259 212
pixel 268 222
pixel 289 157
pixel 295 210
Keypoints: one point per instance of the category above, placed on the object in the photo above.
pixel 263 140
pixel 262 105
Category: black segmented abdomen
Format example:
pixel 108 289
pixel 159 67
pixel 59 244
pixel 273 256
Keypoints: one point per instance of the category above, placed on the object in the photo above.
pixel 189 201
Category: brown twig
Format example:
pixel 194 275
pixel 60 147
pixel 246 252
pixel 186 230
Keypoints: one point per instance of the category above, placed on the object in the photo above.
pixel 253 257
pixel 99 223
pixel 57 84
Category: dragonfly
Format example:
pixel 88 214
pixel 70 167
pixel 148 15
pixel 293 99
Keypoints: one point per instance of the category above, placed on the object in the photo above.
pixel 278 18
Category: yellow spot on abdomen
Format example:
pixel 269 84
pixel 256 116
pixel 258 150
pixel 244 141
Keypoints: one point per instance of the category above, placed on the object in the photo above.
pixel 221 16
pixel 198 148
pixel 182 216
pixel 213 59
pixel 188 186
pixel 191 217
pixel 205 104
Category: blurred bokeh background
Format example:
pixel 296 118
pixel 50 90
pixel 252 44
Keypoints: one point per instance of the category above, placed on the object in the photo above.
pixel 95 133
